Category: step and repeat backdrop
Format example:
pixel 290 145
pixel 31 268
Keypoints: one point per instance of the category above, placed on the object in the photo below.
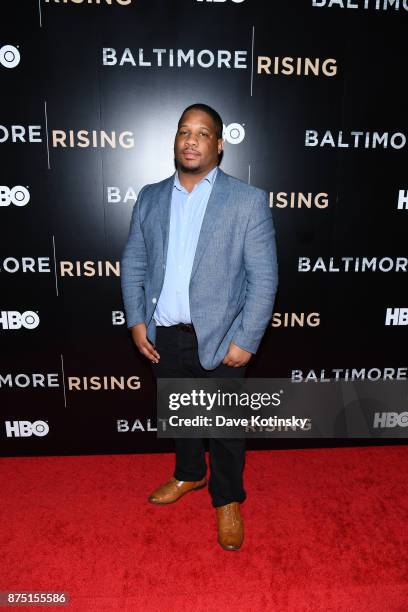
pixel 311 93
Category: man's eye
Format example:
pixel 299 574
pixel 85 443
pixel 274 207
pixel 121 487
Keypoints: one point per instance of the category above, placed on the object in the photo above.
pixel 204 134
pixel 182 132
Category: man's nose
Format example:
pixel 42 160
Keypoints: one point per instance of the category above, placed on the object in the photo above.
pixel 191 139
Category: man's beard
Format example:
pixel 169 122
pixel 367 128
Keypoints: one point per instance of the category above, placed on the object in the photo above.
pixel 180 166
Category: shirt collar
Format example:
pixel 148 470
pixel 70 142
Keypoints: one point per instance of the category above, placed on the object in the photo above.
pixel 210 178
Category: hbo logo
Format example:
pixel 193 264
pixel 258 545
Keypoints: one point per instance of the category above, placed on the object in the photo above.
pixel 9 56
pixel 396 316
pixel 390 419
pixel 18 195
pixel 11 319
pixel 233 133
pixel 25 429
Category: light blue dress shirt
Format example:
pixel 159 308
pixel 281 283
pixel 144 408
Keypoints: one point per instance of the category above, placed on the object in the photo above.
pixel 186 216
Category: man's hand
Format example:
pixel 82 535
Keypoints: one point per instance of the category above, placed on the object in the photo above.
pixel 236 356
pixel 145 347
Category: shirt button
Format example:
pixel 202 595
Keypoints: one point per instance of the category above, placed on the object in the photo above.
pixel 154 300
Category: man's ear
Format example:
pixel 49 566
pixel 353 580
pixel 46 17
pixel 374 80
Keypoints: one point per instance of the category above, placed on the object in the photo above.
pixel 220 145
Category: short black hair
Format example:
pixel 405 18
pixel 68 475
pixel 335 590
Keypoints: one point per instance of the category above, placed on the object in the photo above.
pixel 211 112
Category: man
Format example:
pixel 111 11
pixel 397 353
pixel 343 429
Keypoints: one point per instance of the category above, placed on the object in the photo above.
pixel 199 277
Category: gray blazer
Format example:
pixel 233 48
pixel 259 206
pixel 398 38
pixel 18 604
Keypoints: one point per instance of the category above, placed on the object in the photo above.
pixel 234 276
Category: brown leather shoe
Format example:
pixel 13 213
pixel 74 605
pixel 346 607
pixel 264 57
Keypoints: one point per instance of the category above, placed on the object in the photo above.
pixel 230 526
pixel 173 489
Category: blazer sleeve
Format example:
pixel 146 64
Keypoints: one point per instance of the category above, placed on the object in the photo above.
pixel 261 267
pixel 133 269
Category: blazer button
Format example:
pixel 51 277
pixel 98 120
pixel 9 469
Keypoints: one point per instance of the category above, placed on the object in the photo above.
pixel 154 300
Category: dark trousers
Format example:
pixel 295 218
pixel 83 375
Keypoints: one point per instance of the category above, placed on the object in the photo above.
pixel 179 359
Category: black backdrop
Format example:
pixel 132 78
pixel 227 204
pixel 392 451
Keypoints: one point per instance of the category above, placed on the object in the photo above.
pixel 67 67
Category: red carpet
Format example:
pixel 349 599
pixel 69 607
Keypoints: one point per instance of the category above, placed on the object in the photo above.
pixel 325 529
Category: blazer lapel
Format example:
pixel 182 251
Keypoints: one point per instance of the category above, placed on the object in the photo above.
pixel 164 212
pixel 217 199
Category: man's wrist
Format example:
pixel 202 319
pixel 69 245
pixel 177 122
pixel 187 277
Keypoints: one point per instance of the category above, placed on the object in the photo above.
pixel 136 324
pixel 241 347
